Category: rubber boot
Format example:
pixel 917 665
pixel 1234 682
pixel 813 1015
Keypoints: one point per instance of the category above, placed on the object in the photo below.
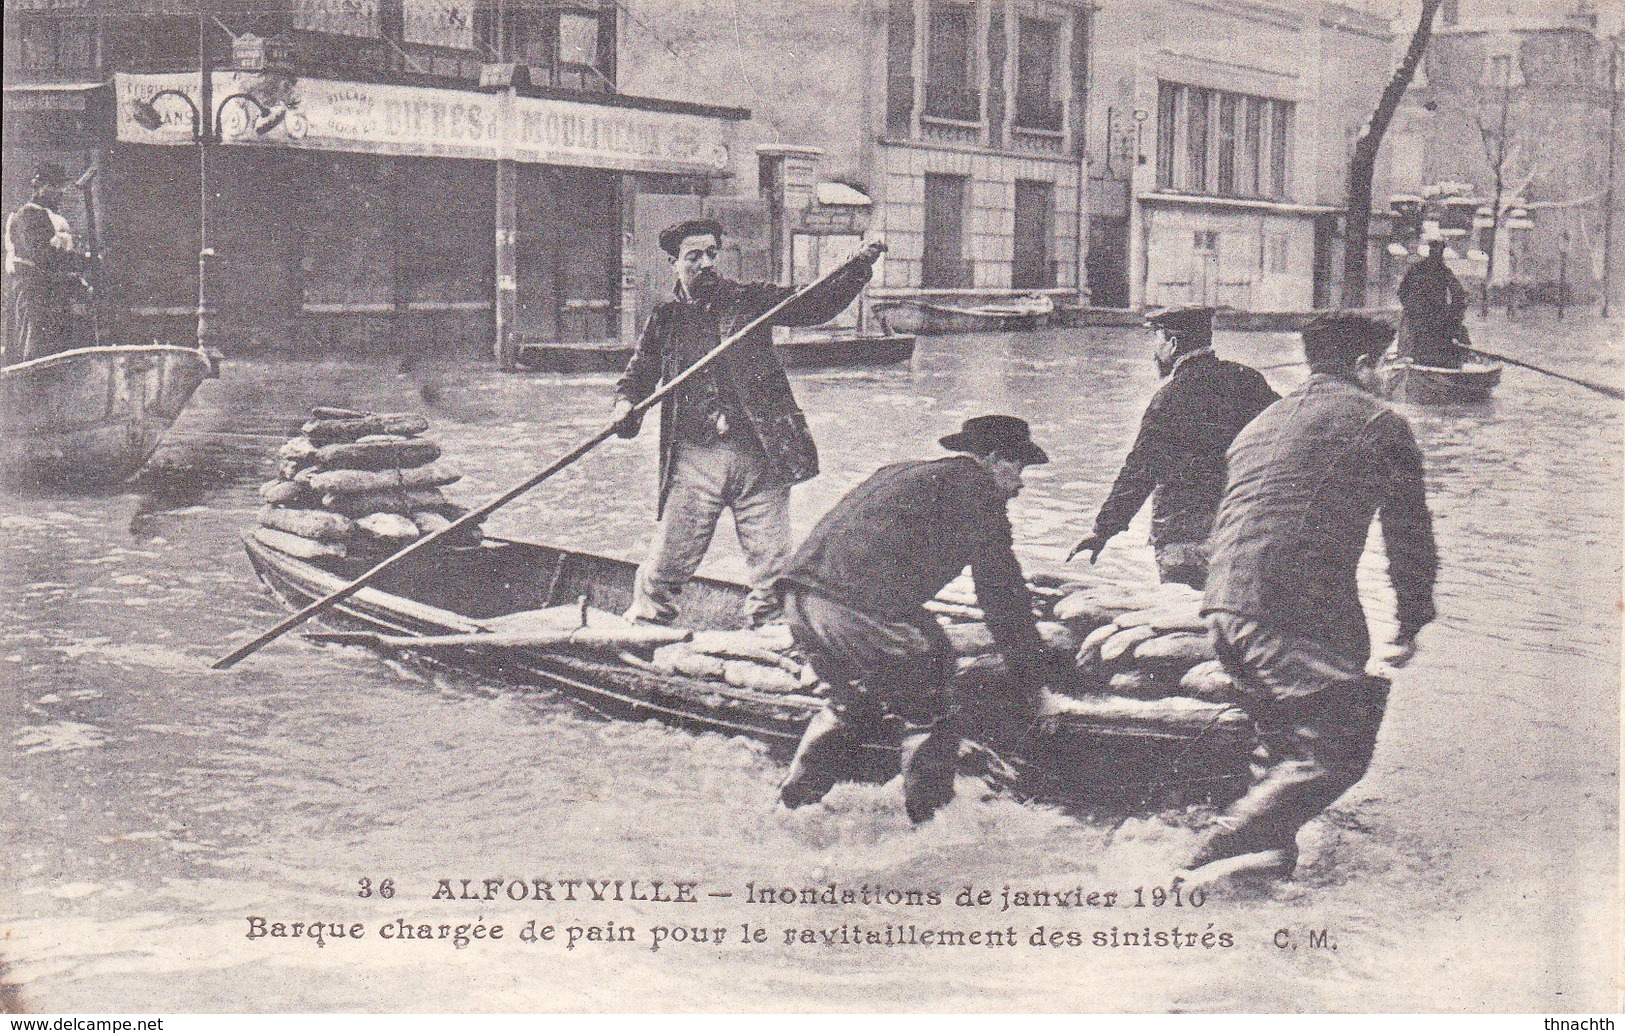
pixel 813 771
pixel 928 771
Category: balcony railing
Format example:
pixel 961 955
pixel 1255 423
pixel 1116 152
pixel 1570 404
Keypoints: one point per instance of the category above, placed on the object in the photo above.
pixel 952 101
pixel 1039 112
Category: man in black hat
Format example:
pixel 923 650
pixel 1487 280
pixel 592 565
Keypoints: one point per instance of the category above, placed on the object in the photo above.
pixel 1178 458
pixel 854 594
pixel 1433 302
pixel 731 437
pixel 1305 479
pixel 43 270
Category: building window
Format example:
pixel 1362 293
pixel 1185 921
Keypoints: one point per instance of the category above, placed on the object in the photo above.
pixel 1037 106
pixel 1225 144
pixel 1205 241
pixel 1276 254
pixel 949 93
pixel 50 46
pixel 900 67
pixel 570 46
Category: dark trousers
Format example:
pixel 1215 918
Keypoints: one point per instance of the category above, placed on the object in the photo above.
pixel 879 670
pixel 1182 563
pixel 1317 715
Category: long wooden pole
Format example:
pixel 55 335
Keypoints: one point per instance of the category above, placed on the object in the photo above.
pixel 1604 389
pixel 474 516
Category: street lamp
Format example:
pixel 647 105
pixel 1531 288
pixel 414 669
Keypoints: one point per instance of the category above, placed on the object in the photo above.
pixel 205 131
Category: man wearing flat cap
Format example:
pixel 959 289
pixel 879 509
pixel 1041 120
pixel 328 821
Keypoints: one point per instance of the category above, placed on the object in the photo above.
pixel 731 437
pixel 855 595
pixel 1305 479
pixel 43 271
pixel 1178 458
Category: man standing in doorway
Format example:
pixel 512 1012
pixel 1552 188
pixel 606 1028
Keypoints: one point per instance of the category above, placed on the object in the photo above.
pixel 1306 477
pixel 855 597
pixel 731 437
pixel 43 271
pixel 1178 458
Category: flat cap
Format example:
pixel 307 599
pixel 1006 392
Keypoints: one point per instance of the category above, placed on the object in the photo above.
pixel 1347 334
pixel 50 174
pixel 672 237
pixel 1181 321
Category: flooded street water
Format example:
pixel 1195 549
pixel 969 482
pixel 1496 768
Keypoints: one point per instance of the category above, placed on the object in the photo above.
pixel 152 805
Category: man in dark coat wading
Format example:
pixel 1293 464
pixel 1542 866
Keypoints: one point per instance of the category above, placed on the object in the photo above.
pixel 731 437
pixel 855 595
pixel 1178 458
pixel 1305 479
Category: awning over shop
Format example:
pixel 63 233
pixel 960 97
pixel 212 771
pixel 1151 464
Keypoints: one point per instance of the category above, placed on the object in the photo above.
pixel 379 118
pixel 53 96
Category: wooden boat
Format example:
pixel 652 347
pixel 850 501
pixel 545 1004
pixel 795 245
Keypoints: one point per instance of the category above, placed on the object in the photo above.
pixel 804 351
pixel 93 415
pixel 1084 751
pixel 1402 380
pixel 1022 313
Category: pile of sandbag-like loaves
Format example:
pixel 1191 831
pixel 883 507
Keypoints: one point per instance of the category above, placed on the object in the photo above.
pixel 1127 640
pixel 358 484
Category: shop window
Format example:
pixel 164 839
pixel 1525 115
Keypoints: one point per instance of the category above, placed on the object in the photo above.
pixel 950 92
pixel 1037 61
pixel 50 47
pixel 1225 144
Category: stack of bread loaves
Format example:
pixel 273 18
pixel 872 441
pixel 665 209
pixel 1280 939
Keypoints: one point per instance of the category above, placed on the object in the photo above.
pixel 358 484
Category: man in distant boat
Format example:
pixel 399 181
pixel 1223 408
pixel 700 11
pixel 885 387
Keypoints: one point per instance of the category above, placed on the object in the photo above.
pixel 1305 479
pixel 731 437
pixel 854 596
pixel 1433 303
pixel 43 271
pixel 1178 458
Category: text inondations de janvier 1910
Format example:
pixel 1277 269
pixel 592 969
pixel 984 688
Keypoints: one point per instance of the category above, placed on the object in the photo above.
pixel 659 914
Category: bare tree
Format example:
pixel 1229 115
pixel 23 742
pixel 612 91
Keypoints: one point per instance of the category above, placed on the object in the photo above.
pixel 1496 152
pixel 1363 165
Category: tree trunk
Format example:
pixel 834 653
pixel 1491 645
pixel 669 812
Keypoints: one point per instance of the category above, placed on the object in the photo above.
pixel 1363 165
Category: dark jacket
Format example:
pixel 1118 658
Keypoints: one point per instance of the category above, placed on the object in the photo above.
pixel 1306 477
pixel 1178 457
pixel 1433 302
pixel 896 539
pixel 680 332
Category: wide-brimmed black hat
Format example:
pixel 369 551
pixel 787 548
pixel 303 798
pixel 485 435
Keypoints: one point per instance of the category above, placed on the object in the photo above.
pixel 50 174
pixel 1348 335
pixel 672 237
pixel 1006 435
pixel 1182 322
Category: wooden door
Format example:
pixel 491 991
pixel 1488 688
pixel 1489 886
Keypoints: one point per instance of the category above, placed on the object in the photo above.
pixel 944 263
pixel 1035 206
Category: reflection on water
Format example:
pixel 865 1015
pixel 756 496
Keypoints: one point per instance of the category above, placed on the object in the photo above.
pixel 152 804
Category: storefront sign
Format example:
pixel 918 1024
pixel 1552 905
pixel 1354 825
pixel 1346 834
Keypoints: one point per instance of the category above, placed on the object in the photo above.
pixel 345 116
pixel 344 17
pixel 439 23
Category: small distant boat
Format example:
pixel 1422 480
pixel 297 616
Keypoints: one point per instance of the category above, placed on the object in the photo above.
pixel 93 416
pixel 1402 380
pixel 1023 313
pixel 808 350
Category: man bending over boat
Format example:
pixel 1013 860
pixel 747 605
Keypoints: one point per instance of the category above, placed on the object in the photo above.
pixel 854 595
pixel 731 437
pixel 1305 479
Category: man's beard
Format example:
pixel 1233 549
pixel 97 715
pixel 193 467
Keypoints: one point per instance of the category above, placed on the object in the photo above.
pixel 703 285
